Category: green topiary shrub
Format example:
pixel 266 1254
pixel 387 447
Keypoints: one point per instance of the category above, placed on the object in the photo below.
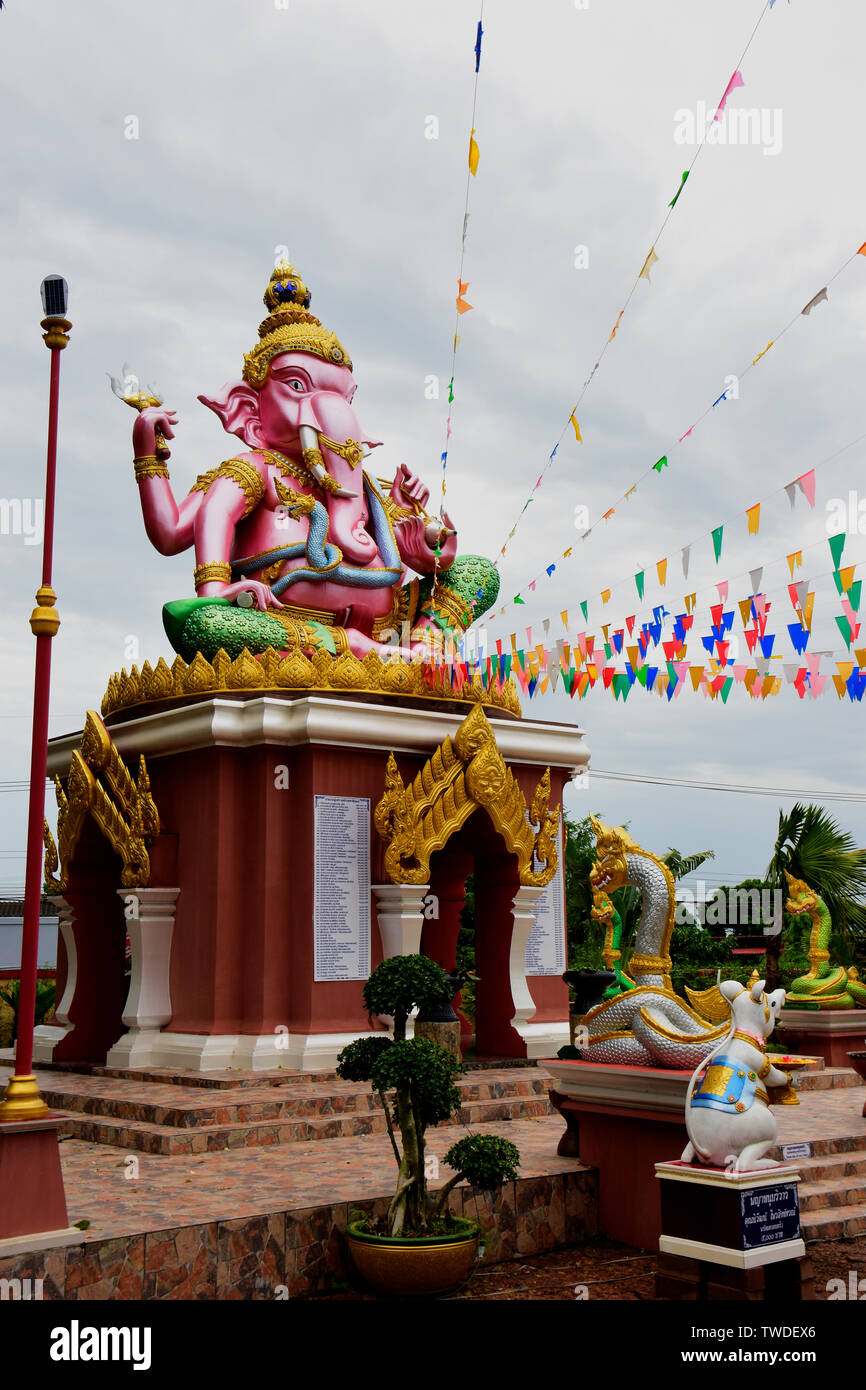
pixel 414 1079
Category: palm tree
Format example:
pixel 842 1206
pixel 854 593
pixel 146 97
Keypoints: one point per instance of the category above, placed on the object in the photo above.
pixel 811 846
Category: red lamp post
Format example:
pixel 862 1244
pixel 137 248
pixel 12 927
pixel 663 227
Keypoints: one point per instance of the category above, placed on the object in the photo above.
pixel 22 1100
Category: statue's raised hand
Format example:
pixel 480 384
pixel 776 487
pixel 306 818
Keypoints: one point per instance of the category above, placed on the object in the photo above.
pixel 153 426
pixel 407 487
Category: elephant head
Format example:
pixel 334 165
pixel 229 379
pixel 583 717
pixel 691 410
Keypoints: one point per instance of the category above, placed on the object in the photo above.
pixel 295 397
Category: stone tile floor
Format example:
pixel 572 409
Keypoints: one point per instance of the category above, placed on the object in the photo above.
pixel 254 1181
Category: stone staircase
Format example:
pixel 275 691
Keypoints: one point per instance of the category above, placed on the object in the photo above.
pixel 174 1113
pixel 833 1186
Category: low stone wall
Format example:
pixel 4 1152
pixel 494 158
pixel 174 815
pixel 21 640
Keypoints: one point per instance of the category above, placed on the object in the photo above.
pixel 295 1253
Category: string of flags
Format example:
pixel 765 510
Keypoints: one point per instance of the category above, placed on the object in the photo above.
pixel 462 304
pixel 661 663
pixel 805 485
pixel 664 462
pixel 651 260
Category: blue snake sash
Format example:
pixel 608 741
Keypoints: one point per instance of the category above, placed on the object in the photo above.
pixel 325 559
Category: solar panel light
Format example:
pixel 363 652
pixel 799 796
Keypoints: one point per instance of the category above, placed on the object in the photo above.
pixel 55 296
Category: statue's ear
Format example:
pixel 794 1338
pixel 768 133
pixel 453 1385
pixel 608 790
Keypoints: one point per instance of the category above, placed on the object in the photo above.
pixel 237 405
pixel 730 989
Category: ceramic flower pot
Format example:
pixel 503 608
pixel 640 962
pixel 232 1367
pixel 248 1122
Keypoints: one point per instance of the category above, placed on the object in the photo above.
pixel 421 1267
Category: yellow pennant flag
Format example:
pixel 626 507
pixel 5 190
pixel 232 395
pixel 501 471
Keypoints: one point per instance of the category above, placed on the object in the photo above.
pixel 605 627
pixel 695 673
pixel 860 653
pixel 564 616
pixel 807 610
pixel 632 489
pixel 605 595
pixel 794 559
pixel 473 153
pixel 576 428
pixel 566 553
pixel 753 517
pixel 647 266
pixel 846 577
pixel 456 341
pixel 632 654
pixel 761 354
pixel 840 683
pixel 690 603
pixel 745 606
pixel 662 570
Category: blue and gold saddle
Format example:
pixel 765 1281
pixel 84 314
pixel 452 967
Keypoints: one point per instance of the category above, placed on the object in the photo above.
pixel 727 1085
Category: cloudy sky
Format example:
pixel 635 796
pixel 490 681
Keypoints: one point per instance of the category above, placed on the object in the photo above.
pixel 304 124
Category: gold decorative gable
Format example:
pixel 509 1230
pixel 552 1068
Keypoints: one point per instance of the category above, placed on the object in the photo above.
pixel 459 777
pixel 99 784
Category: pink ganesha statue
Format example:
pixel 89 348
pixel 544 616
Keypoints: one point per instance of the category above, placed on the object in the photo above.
pixel 296 545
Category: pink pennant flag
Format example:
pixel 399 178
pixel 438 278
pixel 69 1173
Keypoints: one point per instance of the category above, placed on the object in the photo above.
pixel 723 591
pixel 806 483
pixel 739 673
pixel 813 661
pixel 736 81
pixel 686 435
pixel 532 585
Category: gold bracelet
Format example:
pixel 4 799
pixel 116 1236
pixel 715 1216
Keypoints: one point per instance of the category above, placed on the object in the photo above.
pixel 216 569
pixel 149 466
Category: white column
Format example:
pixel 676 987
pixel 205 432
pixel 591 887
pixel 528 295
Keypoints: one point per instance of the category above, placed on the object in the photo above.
pixel 149 922
pixel 523 915
pixel 47 1035
pixel 400 912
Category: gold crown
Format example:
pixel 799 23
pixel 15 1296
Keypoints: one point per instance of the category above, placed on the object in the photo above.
pixel 290 327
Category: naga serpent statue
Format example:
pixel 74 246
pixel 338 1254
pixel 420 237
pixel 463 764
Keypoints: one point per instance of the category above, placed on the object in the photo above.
pixel 825 986
pixel 646 1024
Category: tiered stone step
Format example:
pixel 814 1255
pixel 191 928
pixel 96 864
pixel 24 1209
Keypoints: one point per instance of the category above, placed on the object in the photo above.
pixel 833 1187
pixel 171 1113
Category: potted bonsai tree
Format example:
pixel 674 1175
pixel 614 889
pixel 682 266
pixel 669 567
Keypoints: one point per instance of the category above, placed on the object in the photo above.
pixel 420 1247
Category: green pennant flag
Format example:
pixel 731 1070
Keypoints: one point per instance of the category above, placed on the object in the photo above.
pixel 607 651
pixel 854 595
pixel 641 674
pixel 673 202
pixel 568 679
pixel 845 628
pixel 837 545
pixel 837 580
pixel 672 673
pixel 519 657
pixel 621 686
pixel 662 463
pixel 506 667
pixel 638 579
pixel 518 599
pixel 583 603
pixel 726 689
pixel 717 541
pixel 451 390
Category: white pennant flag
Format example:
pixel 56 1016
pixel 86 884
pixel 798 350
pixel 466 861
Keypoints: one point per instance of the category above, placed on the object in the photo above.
pixel 686 557
pixel 791 493
pixel 801 591
pixel 755 577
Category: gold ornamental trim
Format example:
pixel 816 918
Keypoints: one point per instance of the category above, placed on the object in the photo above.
pixel 99 784
pixel 674 1035
pixel 463 774
pixel 239 471
pixel 271 672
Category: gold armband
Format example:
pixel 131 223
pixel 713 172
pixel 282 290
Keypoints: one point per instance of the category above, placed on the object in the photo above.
pixel 207 574
pixel 149 466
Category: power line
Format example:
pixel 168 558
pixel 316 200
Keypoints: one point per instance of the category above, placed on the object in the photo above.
pixel 798 794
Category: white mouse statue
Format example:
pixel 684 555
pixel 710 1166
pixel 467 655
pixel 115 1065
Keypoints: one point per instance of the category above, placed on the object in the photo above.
pixel 728 1119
